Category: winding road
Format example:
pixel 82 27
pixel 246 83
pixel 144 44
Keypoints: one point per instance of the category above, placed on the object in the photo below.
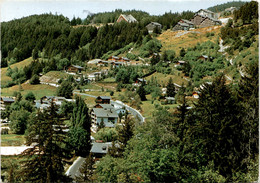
pixel 74 168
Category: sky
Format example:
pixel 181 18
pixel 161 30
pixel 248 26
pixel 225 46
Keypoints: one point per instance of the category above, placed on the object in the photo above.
pixel 14 9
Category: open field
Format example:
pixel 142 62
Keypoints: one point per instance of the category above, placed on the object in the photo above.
pixel 12 140
pixel 171 41
pixel 4 78
pixel 164 78
pixel 39 90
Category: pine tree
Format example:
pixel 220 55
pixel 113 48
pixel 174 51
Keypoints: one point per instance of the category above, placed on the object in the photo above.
pixel 217 126
pixel 86 170
pixel 141 92
pixel 47 138
pixel 170 88
pixel 80 126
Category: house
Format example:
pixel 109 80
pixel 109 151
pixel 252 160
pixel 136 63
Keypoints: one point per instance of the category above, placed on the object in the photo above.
pixel 99 150
pixel 204 21
pixel 195 95
pixel 231 9
pixel 75 69
pixel 113 58
pixel 140 81
pixel 207 13
pixel 7 100
pixel 106 115
pixel 124 59
pixel 205 58
pixel 104 106
pixel 183 24
pixel 151 26
pixel 126 18
pixel 180 62
pixel 94 76
pixel 103 100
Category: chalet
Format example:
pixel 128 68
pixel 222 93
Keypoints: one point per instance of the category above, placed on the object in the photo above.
pixel 151 26
pixel 117 64
pixel 104 106
pixel 231 9
pixel 126 18
pixel 195 95
pixel 113 58
pixel 207 13
pixel 7 100
pixel 99 150
pixel 94 76
pixel 204 21
pixel 205 58
pixel 124 59
pixel 106 115
pixel 183 24
pixel 103 100
pixel 180 62
pixel 75 69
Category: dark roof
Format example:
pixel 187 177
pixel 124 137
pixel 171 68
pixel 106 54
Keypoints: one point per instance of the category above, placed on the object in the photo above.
pixel 104 97
pixel 7 99
pixel 213 19
pixel 183 24
pixel 187 21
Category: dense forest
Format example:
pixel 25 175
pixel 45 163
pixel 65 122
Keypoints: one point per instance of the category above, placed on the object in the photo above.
pixel 222 7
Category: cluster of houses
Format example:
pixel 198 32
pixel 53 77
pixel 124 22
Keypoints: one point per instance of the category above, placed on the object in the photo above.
pixel 105 112
pixel 202 18
pixel 5 101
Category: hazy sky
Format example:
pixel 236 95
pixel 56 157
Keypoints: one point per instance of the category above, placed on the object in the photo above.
pixel 11 9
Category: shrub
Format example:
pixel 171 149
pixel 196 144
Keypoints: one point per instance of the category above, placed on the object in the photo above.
pixel 34 80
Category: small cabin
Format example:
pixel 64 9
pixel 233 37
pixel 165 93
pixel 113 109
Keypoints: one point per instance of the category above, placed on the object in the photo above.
pixel 151 26
pixel 126 18
pixel 103 100
pixel 75 69
pixel 7 100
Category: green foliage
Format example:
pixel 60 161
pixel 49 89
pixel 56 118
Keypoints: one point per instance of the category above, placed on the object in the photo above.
pixel 141 92
pixel 79 135
pixel 247 13
pixel 19 121
pixel 170 88
pixel 78 139
pixel 222 7
pixel 152 46
pixel 86 170
pixel 48 149
pixel 30 96
pixel 106 135
pixel 34 80
pixel 65 89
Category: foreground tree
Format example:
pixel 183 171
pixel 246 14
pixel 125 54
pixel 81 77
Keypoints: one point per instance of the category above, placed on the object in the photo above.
pixel 47 138
pixel 218 126
pixel 86 170
pixel 65 89
pixel 170 88
pixel 79 135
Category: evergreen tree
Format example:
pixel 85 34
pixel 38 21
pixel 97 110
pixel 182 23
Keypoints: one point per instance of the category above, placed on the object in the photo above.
pixel 170 88
pixel 65 89
pixel 47 162
pixel 86 170
pixel 80 126
pixel 141 92
pixel 217 126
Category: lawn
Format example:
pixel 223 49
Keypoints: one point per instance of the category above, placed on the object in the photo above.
pixel 4 78
pixel 12 140
pixel 39 90
pixel 164 78
pixel 170 42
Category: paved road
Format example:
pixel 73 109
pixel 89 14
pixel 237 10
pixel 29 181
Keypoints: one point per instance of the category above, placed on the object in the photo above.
pixel 74 168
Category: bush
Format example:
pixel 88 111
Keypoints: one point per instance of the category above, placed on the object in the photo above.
pixel 4 131
pixel 34 80
pixel 30 96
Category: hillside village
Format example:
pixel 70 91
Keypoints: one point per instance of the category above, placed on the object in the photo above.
pixel 114 98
